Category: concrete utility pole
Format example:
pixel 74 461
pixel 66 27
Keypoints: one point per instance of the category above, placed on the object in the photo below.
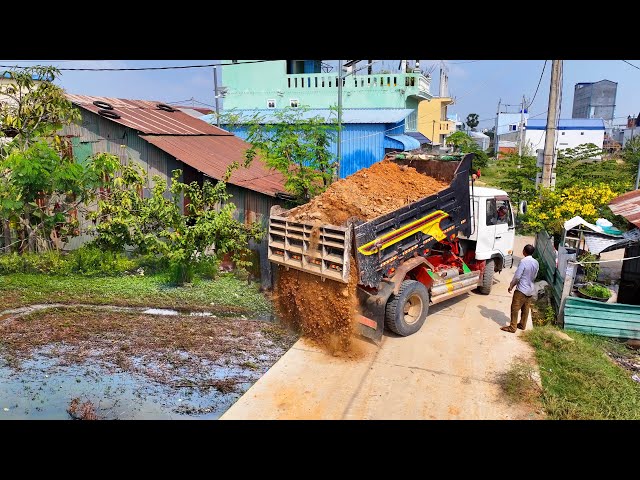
pixel 215 95
pixel 521 129
pixel 552 123
pixel 496 147
pixel 339 146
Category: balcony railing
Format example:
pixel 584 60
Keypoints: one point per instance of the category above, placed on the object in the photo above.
pixel 414 83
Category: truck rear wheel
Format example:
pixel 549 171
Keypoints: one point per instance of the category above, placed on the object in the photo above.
pixel 487 277
pixel 407 311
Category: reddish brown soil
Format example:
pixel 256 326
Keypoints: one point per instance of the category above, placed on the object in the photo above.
pixel 324 311
pixel 368 193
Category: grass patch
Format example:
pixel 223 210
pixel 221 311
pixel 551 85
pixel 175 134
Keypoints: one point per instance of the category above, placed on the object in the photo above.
pixel 519 385
pixel 579 381
pixel 226 293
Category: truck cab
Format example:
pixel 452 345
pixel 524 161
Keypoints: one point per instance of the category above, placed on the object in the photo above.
pixel 492 235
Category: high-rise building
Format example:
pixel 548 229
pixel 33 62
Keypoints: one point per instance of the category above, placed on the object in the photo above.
pixel 595 100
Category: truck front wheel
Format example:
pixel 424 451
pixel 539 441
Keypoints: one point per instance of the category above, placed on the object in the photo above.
pixel 487 277
pixel 407 311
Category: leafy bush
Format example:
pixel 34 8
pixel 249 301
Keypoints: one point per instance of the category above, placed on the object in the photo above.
pixel 52 262
pixel 208 267
pixel 152 263
pixel 91 260
pixel 595 290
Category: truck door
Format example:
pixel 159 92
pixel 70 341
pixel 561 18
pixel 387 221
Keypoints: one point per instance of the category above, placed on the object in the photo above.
pixel 505 228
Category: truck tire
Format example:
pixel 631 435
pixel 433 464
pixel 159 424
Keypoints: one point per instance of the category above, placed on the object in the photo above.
pixel 407 311
pixel 487 278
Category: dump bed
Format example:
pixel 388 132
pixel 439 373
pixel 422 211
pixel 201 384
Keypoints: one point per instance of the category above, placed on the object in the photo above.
pixel 381 244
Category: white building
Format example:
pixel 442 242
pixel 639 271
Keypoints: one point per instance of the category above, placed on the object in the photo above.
pixel 571 133
pixel 481 139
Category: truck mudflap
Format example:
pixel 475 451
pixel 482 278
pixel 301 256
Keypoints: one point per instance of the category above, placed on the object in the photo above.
pixel 322 250
pixel 371 311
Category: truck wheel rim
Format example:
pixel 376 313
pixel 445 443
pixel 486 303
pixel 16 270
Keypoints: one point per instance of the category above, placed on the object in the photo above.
pixel 412 309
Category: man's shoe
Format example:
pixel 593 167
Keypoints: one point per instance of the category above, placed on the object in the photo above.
pixel 508 328
pixel 520 326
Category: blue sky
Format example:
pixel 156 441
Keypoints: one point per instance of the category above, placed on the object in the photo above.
pixel 476 84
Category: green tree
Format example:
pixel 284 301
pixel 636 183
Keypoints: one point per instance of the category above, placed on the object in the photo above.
pixel 298 148
pixel 39 191
pixel 33 107
pixel 463 143
pixel 157 225
pixel 472 121
pixel 32 110
pixel 517 176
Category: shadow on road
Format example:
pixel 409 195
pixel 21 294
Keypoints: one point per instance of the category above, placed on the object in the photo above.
pixel 496 315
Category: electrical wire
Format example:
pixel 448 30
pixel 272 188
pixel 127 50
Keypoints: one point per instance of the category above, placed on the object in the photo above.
pixel 539 81
pixel 634 66
pixel 174 67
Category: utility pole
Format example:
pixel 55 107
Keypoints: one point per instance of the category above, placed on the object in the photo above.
pixel 521 128
pixel 552 124
pixel 339 146
pixel 496 147
pixel 215 91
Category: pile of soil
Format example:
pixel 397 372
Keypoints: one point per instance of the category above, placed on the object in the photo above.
pixel 368 193
pixel 323 311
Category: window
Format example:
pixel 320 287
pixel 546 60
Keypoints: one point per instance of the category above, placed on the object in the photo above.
pixel 581 133
pixel 491 211
pixel 499 212
pixel 513 127
pixel 271 103
pixel 293 103
pixel 561 133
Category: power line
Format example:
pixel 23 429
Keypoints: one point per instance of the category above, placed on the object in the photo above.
pixel 539 81
pixel 174 67
pixel 634 66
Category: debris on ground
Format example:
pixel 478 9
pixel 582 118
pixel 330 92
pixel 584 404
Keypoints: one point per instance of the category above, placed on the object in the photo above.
pixel 323 310
pixel 82 411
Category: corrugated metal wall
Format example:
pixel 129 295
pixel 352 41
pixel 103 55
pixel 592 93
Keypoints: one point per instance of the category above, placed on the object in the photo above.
pixel 362 145
pixel 605 319
pixel 102 135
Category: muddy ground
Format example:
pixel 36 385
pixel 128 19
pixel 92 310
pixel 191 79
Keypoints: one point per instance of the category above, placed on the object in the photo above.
pixel 64 363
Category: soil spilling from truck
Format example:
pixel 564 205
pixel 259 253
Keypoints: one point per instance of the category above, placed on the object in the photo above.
pixel 323 311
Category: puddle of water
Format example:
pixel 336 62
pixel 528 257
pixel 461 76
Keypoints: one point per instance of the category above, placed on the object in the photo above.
pixel 41 389
pixel 160 311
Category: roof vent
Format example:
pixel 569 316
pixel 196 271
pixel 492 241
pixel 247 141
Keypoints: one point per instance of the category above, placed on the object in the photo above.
pixel 103 105
pixel 108 113
pixel 165 107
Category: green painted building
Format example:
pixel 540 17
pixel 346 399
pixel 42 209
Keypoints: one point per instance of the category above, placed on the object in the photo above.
pixel 292 83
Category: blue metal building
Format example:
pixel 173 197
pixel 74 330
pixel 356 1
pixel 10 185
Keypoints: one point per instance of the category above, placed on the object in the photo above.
pixel 367 133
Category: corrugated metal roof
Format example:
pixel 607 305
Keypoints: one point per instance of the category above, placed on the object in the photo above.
pixel 418 136
pixel 144 116
pixel 568 124
pixel 627 205
pixel 212 154
pixel 408 142
pixel 349 115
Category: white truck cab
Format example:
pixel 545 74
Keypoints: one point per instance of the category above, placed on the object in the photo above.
pixel 492 237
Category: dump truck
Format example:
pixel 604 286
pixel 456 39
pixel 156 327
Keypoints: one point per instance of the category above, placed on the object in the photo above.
pixel 426 252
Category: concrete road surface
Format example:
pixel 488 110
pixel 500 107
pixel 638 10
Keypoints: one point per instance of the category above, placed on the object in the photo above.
pixel 445 371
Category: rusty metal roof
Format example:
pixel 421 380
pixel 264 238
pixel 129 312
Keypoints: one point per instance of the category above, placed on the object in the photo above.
pixel 627 205
pixel 212 154
pixel 204 147
pixel 144 116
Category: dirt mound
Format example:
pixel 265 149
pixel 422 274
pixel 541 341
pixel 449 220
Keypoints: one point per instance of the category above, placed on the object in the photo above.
pixel 323 311
pixel 368 193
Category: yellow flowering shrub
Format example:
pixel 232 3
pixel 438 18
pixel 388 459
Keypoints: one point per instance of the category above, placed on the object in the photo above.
pixel 554 207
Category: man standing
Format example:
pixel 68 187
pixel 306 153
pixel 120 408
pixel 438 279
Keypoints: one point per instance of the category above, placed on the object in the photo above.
pixel 523 280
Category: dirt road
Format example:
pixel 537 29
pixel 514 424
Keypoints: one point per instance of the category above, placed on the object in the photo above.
pixel 445 371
